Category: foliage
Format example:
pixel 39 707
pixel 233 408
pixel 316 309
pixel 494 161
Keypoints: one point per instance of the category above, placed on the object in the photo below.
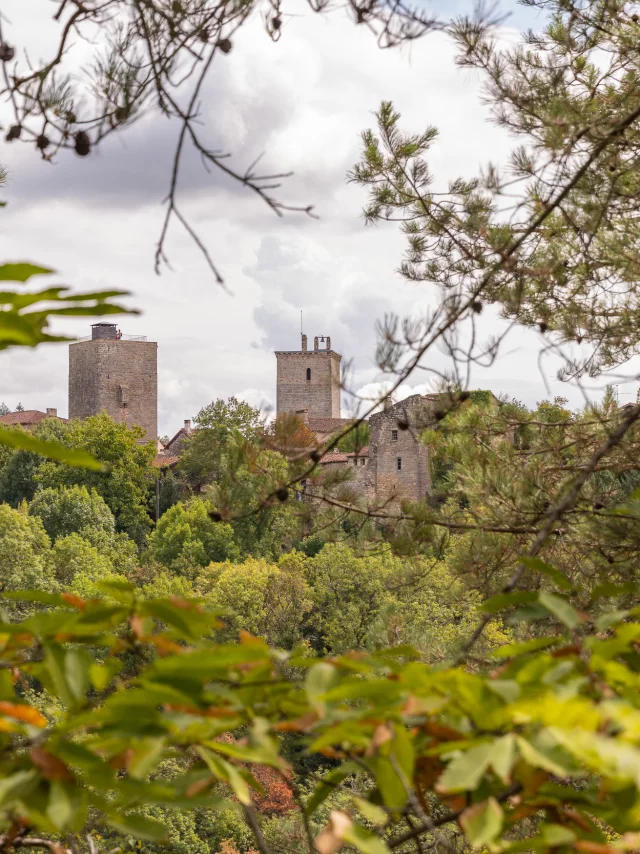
pixel 356 439
pixel 217 425
pixel 186 537
pixel 551 733
pixel 72 509
pixel 125 484
pixel 268 600
pixel 24 553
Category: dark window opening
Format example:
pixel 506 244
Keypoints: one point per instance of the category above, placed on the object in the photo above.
pixel 399 463
pixel 362 461
pixel 394 435
pixel 308 373
pixel 355 461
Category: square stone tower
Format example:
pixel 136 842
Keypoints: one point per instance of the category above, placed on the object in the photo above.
pixel 115 374
pixel 309 379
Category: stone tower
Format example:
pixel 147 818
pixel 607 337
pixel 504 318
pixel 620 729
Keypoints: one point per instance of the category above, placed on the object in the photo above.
pixel 309 379
pixel 115 374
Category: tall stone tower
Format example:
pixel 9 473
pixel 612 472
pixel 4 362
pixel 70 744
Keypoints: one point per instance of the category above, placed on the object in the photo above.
pixel 309 379
pixel 115 374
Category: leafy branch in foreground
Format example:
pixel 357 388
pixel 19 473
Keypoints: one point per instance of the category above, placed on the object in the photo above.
pixel 539 753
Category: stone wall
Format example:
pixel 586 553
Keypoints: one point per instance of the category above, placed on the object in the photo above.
pixel 390 443
pixel 118 377
pixel 320 394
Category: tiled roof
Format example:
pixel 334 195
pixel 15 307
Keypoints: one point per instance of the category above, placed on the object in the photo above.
pixel 340 457
pixel 29 416
pixel 163 461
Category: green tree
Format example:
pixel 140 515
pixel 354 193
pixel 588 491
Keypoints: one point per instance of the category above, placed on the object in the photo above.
pixel 205 457
pixel 126 483
pixel 72 510
pixel 4 409
pixel 186 537
pixel 77 565
pixel 24 555
pixel 265 599
pixel 18 475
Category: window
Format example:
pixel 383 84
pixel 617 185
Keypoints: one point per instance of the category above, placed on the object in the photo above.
pixel 394 435
pixel 399 463
pixel 361 461
pixel 308 373
pixel 355 461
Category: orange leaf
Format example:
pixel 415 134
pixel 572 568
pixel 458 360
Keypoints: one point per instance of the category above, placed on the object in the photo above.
pixel 49 765
pixel 137 625
pixel 302 724
pixel 75 601
pixel 186 606
pixel 27 714
pixel 381 735
pixel 595 847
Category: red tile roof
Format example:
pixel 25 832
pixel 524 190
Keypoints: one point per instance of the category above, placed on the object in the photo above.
pixel 29 416
pixel 163 461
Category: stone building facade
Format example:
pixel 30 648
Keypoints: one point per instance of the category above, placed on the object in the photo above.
pixel 117 375
pixel 395 465
pixel 309 380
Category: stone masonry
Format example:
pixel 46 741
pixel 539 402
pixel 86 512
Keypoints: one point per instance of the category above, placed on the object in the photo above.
pixel 108 373
pixel 309 379
pixel 395 465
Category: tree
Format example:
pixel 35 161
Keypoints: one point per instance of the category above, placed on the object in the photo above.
pixel 204 459
pixel 125 484
pixel 72 510
pixel 186 537
pixel 24 555
pixel 262 598
pixel 19 408
pixel 4 409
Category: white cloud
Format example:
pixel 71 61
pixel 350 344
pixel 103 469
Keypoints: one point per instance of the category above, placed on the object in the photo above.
pixel 304 101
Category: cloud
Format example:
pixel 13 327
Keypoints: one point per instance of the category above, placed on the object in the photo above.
pixel 304 102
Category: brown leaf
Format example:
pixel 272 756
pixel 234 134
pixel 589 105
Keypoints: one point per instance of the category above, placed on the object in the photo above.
pixel 381 735
pixel 302 724
pixel 595 847
pixel 332 837
pixel 200 786
pixel 137 625
pixel 49 765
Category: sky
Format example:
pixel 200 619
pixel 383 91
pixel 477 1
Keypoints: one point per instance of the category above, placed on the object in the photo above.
pixel 303 102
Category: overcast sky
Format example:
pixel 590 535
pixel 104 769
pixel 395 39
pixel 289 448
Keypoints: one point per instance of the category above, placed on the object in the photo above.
pixel 304 102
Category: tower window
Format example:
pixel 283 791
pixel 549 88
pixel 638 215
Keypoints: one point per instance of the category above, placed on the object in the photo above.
pixel 399 463
pixel 394 435
pixel 361 461
pixel 308 373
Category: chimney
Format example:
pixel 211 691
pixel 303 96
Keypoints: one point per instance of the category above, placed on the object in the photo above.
pixel 303 414
pixel 187 425
pixel 52 413
pixel 304 343
pixel 315 344
pixel 388 403
pixel 328 343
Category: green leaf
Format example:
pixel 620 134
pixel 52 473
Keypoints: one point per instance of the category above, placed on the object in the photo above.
pixel 138 827
pixel 511 650
pixel 540 759
pixel 17 785
pixel 148 753
pixel 372 812
pixel 364 840
pixel 24 441
pixel 482 822
pixel 320 679
pixel 604 591
pixel 558 578
pixel 21 272
pixel 101 675
pixel 463 774
pixel 503 756
pixel 328 783
pixel 560 608
pixel 223 770
pixel 60 808
pixel 505 600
